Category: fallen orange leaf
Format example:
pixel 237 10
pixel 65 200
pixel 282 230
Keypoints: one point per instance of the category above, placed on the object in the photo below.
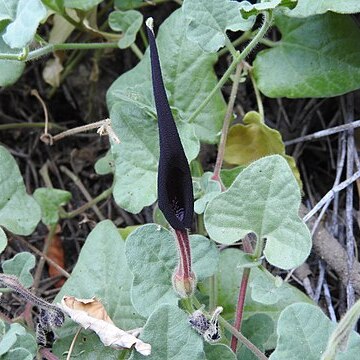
pixel 56 253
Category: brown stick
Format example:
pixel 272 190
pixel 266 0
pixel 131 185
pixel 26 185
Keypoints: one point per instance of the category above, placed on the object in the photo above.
pixel 330 250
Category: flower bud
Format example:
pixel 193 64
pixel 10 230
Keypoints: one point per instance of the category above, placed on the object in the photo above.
pixel 184 286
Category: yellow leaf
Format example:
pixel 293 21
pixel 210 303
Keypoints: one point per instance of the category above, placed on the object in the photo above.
pixel 253 140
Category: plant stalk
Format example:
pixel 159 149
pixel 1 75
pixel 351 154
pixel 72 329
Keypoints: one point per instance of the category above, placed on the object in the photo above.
pixel 242 295
pixel 184 280
pixel 268 17
pixel 26 125
pixel 45 50
pixel 240 306
pixel 253 348
pixel 104 195
pixel 226 125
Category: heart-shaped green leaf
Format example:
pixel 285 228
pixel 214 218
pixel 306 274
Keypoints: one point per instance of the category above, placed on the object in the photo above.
pixel 3 240
pixel 11 70
pixel 309 60
pixel 208 190
pixel 129 22
pixel 306 8
pixel 9 339
pixel 20 32
pixel 152 257
pixel 101 271
pixel 81 4
pixel 20 266
pixel 50 201
pixel 305 329
pixel 265 290
pixel 229 175
pixel 257 328
pixel 19 212
pixel 8 9
pixel 208 21
pixel 218 351
pixel 249 9
pixel 171 336
pixel 16 342
pixel 264 199
pixel 19 353
pixel 252 140
pixel 105 165
pixel 128 4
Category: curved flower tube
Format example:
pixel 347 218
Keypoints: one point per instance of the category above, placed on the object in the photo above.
pixel 175 191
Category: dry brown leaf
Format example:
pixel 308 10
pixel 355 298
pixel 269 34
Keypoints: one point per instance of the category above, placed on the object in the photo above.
pixel 52 71
pixel 56 253
pixel 91 314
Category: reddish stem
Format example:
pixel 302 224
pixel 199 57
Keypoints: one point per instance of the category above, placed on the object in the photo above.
pixel 240 306
pixel 47 354
pixel 242 294
pixel 28 315
pixel 225 128
pixel 184 269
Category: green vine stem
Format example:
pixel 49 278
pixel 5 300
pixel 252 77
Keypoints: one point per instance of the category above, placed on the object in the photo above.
pixel 268 17
pixel 104 195
pixel 258 249
pixel 229 45
pixel 45 50
pixel 247 35
pixel 257 94
pixel 24 125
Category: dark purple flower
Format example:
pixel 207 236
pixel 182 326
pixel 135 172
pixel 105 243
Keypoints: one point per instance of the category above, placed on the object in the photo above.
pixel 175 191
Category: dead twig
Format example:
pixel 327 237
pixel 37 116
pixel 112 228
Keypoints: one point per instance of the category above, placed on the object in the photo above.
pixel 330 195
pixel 83 189
pixel 323 133
pixel 41 254
pixel 103 126
pixel 329 302
pixel 348 111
